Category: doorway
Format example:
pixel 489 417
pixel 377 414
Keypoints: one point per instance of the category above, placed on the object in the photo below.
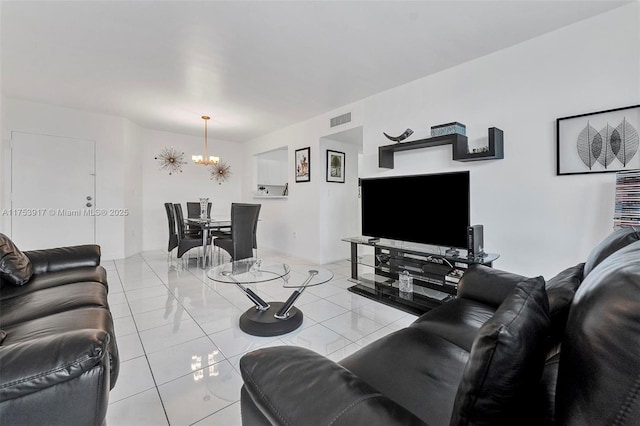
pixel 52 191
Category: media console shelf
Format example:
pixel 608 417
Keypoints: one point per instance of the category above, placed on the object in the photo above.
pixel 458 142
pixel 435 276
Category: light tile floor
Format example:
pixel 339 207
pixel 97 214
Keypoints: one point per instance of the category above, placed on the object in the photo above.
pixel 180 343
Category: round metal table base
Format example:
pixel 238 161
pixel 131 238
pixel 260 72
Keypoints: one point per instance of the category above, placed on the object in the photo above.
pixel 263 323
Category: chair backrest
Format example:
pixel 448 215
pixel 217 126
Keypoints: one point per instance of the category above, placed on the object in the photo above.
pixel 193 210
pixel 171 219
pixel 244 220
pixel 179 221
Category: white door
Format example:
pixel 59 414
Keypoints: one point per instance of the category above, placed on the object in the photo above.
pixel 52 191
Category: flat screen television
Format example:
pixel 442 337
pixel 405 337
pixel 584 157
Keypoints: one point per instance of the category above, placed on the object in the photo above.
pixel 428 209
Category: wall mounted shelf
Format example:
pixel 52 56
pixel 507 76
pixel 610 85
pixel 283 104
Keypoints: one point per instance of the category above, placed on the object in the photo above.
pixel 459 144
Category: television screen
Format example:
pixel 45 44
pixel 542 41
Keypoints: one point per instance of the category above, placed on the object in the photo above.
pixel 428 209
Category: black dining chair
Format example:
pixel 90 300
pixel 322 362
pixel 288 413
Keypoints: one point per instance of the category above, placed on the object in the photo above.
pixel 173 235
pixel 186 242
pixel 244 223
pixel 193 212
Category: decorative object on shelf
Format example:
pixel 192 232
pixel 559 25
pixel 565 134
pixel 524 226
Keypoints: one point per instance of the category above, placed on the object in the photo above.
pixel 627 204
pixel 303 165
pixel 220 172
pixel 205 159
pixel 335 166
pixel 449 129
pixel 400 138
pixel 171 159
pixel 460 148
pixel 598 142
pixel 285 191
pixel 204 204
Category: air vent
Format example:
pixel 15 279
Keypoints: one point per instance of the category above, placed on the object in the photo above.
pixel 341 119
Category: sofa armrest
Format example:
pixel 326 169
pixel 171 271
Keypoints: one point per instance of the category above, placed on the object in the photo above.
pixel 487 285
pixel 293 385
pixel 61 258
pixel 37 364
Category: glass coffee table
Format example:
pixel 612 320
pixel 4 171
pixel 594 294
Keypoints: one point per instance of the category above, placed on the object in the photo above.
pixel 267 318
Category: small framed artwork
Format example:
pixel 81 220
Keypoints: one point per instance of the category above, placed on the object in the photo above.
pixel 303 165
pixel 598 142
pixel 335 166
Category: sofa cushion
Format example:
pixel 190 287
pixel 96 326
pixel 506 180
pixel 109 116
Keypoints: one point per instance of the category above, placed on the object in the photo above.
pixel 417 369
pixel 15 267
pixel 599 372
pixel 506 359
pixel 487 285
pixel 613 242
pixel 457 321
pixel 48 301
pixel 60 324
pixel 39 282
pixel 560 292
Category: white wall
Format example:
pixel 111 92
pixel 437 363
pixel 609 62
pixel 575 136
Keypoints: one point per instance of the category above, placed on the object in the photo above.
pixel 311 221
pixel 127 174
pixel 133 223
pixel 540 223
pixel 194 182
pixel 339 203
pixel 107 131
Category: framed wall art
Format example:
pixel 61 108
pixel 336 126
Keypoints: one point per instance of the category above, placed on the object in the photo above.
pixel 598 142
pixel 303 165
pixel 335 166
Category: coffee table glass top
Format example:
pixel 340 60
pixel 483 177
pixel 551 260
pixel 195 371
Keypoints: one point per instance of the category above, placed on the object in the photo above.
pixel 248 271
pixel 252 271
pixel 308 278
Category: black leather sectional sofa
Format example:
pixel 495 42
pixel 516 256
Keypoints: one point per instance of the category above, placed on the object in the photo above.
pixel 58 353
pixel 508 350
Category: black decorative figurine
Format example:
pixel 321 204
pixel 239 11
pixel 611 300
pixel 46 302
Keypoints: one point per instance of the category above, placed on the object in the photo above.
pixel 400 138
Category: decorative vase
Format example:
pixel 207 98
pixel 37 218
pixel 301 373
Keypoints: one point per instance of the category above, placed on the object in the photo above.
pixel 204 203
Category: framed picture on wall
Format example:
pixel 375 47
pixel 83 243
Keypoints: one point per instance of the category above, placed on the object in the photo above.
pixel 335 166
pixel 303 165
pixel 598 142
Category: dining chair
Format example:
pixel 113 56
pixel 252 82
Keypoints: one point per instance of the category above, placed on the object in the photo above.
pixel 173 236
pixel 193 210
pixel 186 242
pixel 244 223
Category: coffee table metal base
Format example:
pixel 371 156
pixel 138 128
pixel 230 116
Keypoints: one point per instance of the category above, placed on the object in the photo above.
pixel 263 323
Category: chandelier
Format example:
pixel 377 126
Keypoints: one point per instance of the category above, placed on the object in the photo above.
pixel 205 159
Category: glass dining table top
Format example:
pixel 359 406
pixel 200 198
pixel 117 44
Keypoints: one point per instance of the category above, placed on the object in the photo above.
pixel 253 271
pixel 208 221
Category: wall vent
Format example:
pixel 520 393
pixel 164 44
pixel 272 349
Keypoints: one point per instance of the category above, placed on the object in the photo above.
pixel 341 119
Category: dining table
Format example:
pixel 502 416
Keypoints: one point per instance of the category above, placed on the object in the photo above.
pixel 207 225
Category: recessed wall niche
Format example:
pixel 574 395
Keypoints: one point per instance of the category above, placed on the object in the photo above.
pixel 272 172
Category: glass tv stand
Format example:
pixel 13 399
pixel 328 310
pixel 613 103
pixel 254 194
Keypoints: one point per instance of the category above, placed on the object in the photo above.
pixel 435 272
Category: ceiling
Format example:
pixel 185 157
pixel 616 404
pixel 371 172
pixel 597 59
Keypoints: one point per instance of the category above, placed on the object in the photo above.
pixel 253 66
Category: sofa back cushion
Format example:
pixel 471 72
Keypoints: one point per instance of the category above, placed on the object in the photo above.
pixel 560 291
pixel 599 370
pixel 15 267
pixel 613 242
pixel 487 285
pixel 506 359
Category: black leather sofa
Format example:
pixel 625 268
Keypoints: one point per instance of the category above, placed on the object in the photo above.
pixel 58 353
pixel 508 350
